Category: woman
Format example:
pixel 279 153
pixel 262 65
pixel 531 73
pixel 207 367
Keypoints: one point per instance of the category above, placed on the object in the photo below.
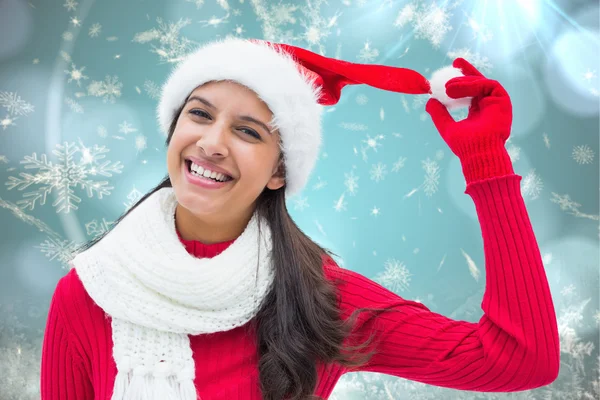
pixel 206 288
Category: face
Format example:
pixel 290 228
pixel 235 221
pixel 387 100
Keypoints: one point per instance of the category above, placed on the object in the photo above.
pixel 214 127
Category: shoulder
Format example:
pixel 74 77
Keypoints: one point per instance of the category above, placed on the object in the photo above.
pixel 77 309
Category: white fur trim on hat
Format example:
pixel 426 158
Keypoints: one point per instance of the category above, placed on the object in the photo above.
pixel 273 75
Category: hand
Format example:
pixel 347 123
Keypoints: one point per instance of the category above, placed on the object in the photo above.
pixel 478 140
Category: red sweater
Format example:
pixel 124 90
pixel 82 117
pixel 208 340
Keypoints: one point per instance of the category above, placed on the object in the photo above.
pixel 513 347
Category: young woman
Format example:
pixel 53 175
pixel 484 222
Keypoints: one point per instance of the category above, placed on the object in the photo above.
pixel 206 288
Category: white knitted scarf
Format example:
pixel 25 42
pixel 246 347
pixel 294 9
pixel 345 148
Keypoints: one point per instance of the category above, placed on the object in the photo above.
pixel 157 294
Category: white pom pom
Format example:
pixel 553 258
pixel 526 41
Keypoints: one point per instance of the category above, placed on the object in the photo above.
pixel 438 88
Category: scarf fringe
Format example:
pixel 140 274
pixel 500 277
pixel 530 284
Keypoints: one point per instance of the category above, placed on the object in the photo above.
pixel 130 386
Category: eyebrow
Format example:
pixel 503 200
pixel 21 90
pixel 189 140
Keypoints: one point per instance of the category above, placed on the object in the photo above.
pixel 242 117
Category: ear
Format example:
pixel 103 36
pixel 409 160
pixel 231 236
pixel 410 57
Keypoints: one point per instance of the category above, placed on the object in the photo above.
pixel 278 178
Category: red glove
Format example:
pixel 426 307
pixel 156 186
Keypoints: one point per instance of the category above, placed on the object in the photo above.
pixel 478 140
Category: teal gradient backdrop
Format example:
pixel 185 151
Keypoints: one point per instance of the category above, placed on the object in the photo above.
pixel 79 144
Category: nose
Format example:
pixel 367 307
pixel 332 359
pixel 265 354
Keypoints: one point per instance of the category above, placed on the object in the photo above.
pixel 213 141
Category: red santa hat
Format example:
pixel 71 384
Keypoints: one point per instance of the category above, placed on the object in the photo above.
pixel 295 84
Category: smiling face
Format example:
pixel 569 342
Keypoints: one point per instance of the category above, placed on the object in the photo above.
pixel 225 124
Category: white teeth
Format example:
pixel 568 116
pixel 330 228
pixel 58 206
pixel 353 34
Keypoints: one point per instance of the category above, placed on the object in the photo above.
pixel 208 173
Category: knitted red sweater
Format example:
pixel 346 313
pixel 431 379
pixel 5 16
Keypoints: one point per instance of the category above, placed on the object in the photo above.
pixel 513 347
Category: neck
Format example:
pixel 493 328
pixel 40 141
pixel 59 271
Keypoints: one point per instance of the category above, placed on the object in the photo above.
pixel 191 227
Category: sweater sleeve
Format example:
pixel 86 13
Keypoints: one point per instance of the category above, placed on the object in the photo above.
pixel 63 376
pixel 513 347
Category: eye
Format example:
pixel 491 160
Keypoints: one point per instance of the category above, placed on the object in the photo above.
pixel 204 114
pixel 198 112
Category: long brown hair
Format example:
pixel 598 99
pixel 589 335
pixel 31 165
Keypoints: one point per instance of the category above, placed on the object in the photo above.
pixel 298 322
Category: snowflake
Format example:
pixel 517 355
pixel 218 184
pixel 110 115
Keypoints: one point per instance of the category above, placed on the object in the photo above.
pixel 70 5
pixel 95 30
pixel 76 74
pixel 362 99
pixel 583 154
pixel 372 143
pixel 171 48
pixel 14 105
pixel 430 21
pixel 6 122
pixel 198 3
pixel 65 175
pixel 73 105
pixel 109 89
pixel 396 276
pixel 432 176
pixel 320 184
pixel 340 204
pixel 125 127
pixel 141 143
pixel 351 182
pixel 353 126
pixel 301 203
pixel 399 164
pixel 546 140
pixel 482 63
pixel 367 54
pixel 67 36
pixel 378 172
pixel 63 250
pixel 152 89
pixel 316 26
pixel 532 185
pixel 95 229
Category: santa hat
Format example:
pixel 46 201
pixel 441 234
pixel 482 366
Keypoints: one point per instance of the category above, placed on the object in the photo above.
pixel 295 84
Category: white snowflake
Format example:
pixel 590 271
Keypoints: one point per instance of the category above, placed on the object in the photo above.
pixel 76 75
pixel 6 122
pixel 65 176
pixel 301 203
pixel 63 250
pixel 367 54
pixel 583 154
pixel 353 126
pixel 432 176
pixel 15 106
pixel 73 105
pixel 70 5
pixel 480 62
pixel 171 47
pixel 67 36
pixel 340 203
pixel 399 164
pixel 351 182
pixel 396 276
pixel 141 143
pixel 109 89
pixel 378 172
pixel 152 89
pixel 125 127
pixel 95 30
pixel 532 185
pixel 430 20
pixel 362 99
pixel 198 3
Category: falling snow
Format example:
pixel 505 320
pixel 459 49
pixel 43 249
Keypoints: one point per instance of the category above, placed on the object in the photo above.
pixel 432 176
pixel 583 154
pixel 396 276
pixel 430 21
pixel 378 172
pixel 78 166
pixel 532 185
pixel 109 89
pixel 95 30
pixel 171 47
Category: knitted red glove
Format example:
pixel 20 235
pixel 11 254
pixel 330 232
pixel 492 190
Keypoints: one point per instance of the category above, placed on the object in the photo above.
pixel 478 140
